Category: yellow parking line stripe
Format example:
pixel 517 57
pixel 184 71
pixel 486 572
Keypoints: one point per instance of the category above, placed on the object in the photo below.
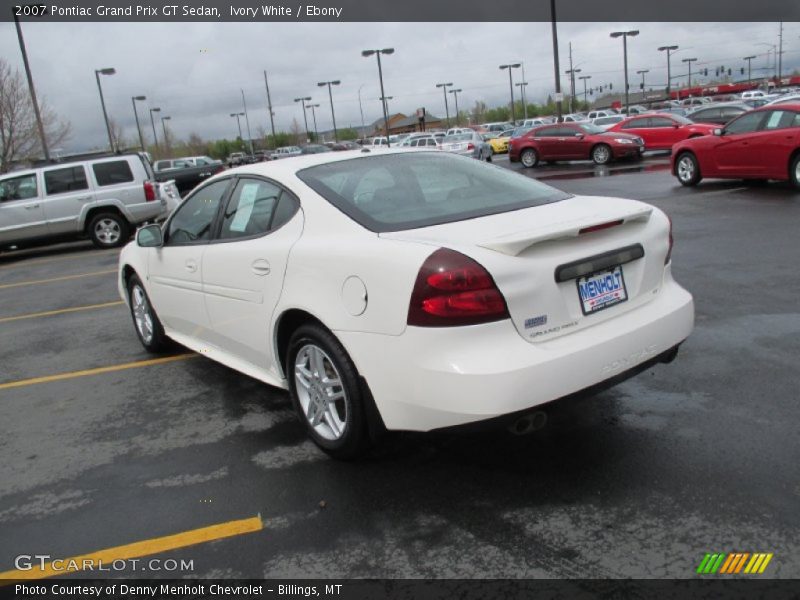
pixel 140 549
pixel 60 311
pixel 40 261
pixel 63 278
pixel 97 371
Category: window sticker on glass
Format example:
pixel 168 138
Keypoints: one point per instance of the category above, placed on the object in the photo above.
pixel 247 199
pixel 774 119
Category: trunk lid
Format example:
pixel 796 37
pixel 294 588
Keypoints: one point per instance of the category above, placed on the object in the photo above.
pixel 538 257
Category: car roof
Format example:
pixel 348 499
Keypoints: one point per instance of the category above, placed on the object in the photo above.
pixel 790 105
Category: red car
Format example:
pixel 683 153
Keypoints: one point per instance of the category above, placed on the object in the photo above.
pixel 761 144
pixel 572 141
pixel 661 131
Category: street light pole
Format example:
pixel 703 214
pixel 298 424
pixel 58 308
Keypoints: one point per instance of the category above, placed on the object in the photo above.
pixel 625 35
pixel 269 107
pixel 136 115
pixel 556 68
pixel 238 123
pixel 584 78
pixel 748 59
pixel 444 87
pixel 164 128
pixel 314 114
pixel 247 121
pixel 642 73
pixel 97 73
pixel 455 97
pixel 32 89
pixel 689 61
pixel 377 53
pixel 571 73
pixel 511 85
pixel 668 50
pixel 521 85
pixel 305 118
pixel 153 123
pixel 333 114
pixel 361 110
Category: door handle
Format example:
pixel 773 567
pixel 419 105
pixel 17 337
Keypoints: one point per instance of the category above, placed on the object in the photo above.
pixel 83 198
pixel 191 265
pixel 32 206
pixel 260 267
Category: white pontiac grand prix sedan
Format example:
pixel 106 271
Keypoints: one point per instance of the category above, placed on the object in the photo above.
pixel 407 289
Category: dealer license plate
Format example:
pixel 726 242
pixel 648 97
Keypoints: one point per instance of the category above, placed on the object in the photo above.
pixel 602 290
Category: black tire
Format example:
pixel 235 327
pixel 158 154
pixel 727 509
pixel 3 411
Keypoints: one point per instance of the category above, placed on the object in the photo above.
pixel 794 171
pixel 601 154
pixel 529 158
pixel 109 230
pixel 353 439
pixel 687 170
pixel 150 332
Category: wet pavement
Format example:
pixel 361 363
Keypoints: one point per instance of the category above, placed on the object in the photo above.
pixel 642 480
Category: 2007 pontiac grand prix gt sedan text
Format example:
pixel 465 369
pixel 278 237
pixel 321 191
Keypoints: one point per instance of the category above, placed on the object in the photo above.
pixel 407 289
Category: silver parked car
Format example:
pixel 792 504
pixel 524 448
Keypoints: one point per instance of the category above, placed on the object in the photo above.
pixel 468 144
pixel 102 198
pixel 285 151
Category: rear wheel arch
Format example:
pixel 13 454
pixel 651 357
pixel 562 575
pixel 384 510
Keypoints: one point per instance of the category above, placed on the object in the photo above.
pixel 286 324
pixel 96 210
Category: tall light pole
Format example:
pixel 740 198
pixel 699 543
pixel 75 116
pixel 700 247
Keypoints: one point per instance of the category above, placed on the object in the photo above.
pixel 367 53
pixel 584 78
pixel 247 121
pixel 668 50
pixel 333 114
pixel 314 114
pixel 749 71
pixel 521 85
pixel 689 62
pixel 153 123
pixel 511 85
pixel 136 115
pixel 780 54
pixel 164 129
pixel 361 110
pixel 97 73
pixel 642 73
pixel 625 35
pixel 554 28
pixel 238 123
pixel 455 97
pixel 775 51
pixel 303 104
pixel 444 87
pixel 571 73
pixel 32 89
pixel 269 107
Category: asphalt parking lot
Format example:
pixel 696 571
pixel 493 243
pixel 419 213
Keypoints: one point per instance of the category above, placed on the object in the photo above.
pixel 697 456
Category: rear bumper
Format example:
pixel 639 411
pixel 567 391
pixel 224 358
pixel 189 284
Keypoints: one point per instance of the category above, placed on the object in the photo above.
pixel 431 378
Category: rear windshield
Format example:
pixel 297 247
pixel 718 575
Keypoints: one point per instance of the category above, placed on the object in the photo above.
pixel 406 191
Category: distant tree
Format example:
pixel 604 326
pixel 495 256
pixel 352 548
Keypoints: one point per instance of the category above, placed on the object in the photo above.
pixel 19 134
pixel 479 111
pixel 298 134
pixel 117 134
pixel 348 134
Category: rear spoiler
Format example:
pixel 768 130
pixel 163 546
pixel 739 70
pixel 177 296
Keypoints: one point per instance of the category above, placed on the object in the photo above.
pixel 514 243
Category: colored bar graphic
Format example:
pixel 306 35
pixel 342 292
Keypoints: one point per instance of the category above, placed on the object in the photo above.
pixel 734 563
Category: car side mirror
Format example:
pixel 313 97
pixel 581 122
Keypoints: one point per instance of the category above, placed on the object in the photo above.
pixel 150 236
pixel 579 136
pixel 718 131
pixel 676 125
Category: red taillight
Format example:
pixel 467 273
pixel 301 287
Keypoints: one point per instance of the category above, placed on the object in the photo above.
pixel 470 146
pixel 149 191
pixel 452 289
pixel 601 226
pixel 671 242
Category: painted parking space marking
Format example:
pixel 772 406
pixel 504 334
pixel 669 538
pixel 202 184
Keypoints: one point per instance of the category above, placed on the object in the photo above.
pixel 135 550
pixel 60 311
pixel 41 261
pixel 6 286
pixel 96 371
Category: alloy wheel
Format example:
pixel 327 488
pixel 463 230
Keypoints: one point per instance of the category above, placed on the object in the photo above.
pixel 321 392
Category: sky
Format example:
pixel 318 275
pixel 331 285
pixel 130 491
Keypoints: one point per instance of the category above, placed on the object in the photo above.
pixel 195 71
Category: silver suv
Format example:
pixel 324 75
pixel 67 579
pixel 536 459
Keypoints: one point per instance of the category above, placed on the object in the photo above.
pixel 102 198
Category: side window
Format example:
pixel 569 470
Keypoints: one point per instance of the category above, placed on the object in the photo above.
pixel 60 181
pixel 112 173
pixel 747 123
pixel 18 188
pixel 414 143
pixel 431 142
pixel 163 164
pixel 796 120
pixel 634 124
pixel 547 132
pixel 779 119
pixel 194 219
pixel 250 209
pixel 372 184
pixel 660 122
